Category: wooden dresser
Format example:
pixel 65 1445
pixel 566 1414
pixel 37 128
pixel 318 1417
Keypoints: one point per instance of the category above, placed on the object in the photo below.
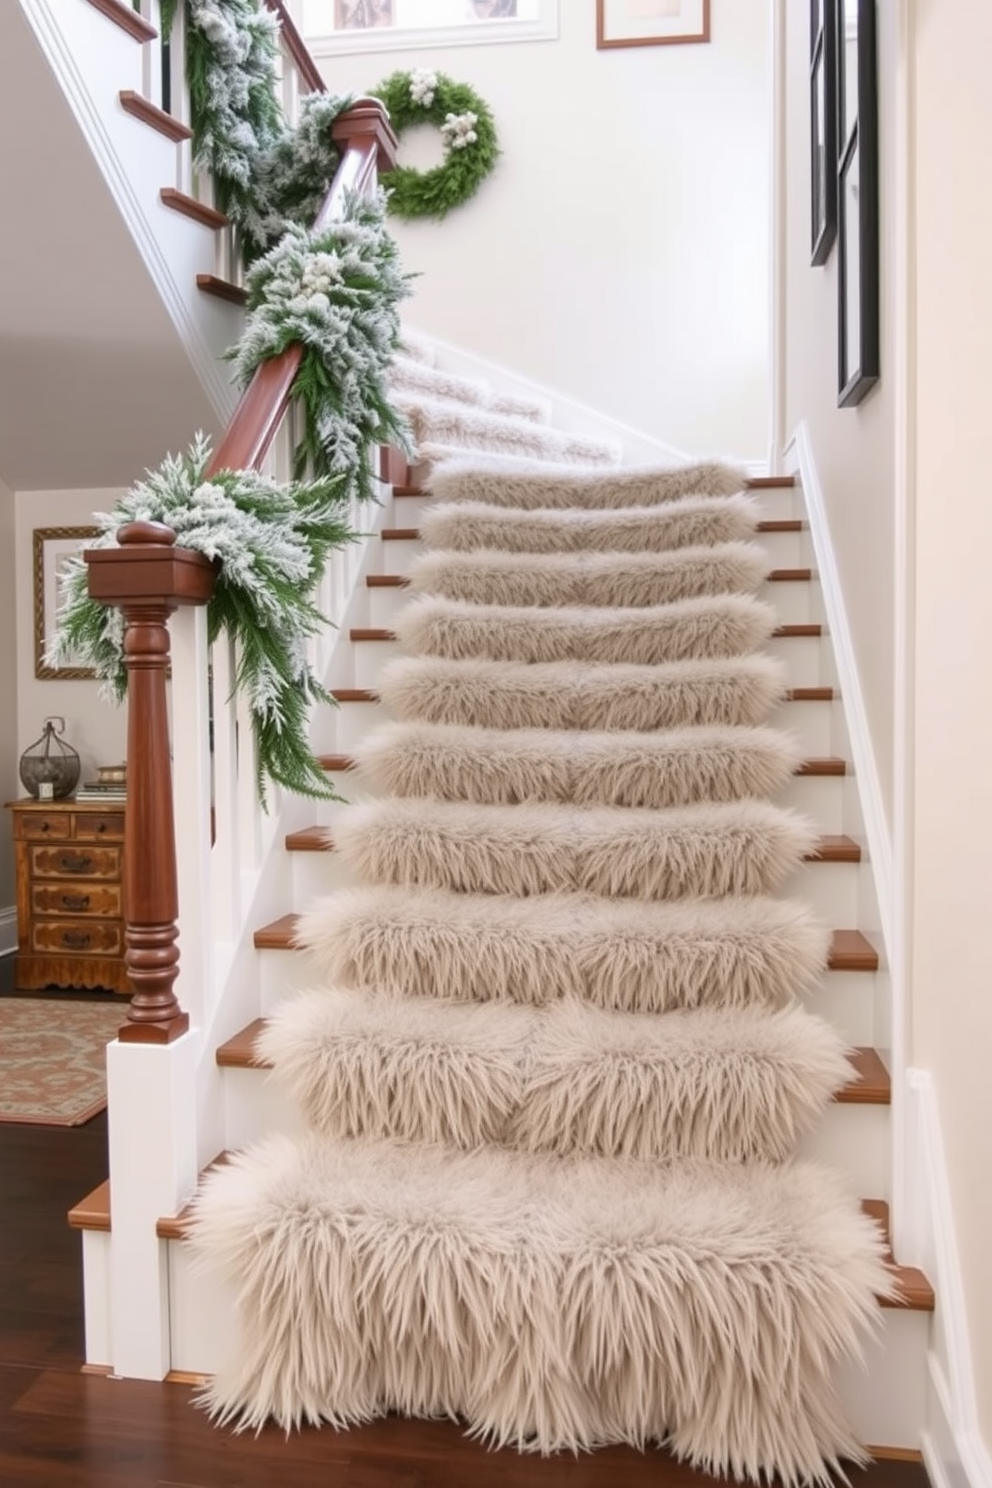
pixel 70 915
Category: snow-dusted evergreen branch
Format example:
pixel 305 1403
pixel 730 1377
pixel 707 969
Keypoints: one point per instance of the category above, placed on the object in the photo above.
pixel 272 542
pixel 336 293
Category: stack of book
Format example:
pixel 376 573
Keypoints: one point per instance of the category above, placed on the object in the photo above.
pixel 109 791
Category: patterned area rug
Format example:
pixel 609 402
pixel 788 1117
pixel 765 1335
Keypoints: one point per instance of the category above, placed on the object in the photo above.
pixel 53 1059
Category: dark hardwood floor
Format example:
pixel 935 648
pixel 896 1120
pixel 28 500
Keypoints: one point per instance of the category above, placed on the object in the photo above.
pixel 60 1428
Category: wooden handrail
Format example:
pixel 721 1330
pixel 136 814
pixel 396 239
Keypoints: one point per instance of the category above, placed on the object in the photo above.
pixel 297 48
pixel 147 577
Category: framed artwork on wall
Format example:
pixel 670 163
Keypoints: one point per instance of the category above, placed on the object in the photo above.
pixel 857 201
pixel 53 547
pixel 627 23
pixel 823 127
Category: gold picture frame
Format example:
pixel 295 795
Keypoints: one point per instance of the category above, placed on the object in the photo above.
pixel 52 546
pixel 633 23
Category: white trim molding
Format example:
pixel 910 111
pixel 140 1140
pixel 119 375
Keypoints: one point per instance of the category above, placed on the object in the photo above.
pixel 8 931
pixel 954 1452
pixel 543 27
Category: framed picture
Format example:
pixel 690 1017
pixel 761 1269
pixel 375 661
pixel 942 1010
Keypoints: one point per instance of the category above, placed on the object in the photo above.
pixel 823 127
pixel 627 23
pixel 362 15
pixel 857 201
pixel 53 547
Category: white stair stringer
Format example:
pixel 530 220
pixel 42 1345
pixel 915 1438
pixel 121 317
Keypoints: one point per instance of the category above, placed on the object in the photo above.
pixel 93 60
pixel 885 1401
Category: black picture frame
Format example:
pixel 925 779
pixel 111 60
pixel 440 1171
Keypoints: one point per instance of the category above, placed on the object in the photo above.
pixel 858 350
pixel 823 128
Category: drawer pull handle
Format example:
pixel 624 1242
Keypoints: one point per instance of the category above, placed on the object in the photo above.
pixel 78 939
pixel 75 901
pixel 46 826
pixel 77 863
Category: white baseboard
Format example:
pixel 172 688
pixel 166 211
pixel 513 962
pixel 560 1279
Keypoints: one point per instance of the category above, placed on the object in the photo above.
pixel 954 1452
pixel 8 931
pixel 799 460
pixel 569 414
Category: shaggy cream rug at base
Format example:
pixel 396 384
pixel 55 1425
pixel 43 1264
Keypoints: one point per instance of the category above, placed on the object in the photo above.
pixel 550 1303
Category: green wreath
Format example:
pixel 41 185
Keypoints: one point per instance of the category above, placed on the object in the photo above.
pixel 470 146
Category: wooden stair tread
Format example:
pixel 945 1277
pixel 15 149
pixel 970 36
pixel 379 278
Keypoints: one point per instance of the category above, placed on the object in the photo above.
pixel 914 1289
pixel 851 951
pixel 239 1052
pixel 826 766
pixel 869 1086
pixel 770 483
pixel 93 1212
pixel 386 581
pixel 354 695
pixel 139 107
pixel 829 849
pixel 809 695
pixel 309 839
pixel 412 534
pixel 175 1226
pixel 791 632
pixel 222 289
pixel 789 576
pixel 127 18
pixel 190 207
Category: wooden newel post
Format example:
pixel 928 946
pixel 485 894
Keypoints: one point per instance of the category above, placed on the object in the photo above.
pixel 148 577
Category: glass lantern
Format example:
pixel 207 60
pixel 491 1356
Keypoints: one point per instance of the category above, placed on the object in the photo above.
pixel 50 766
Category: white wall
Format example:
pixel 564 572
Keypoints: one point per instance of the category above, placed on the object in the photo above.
pixel 9 753
pixel 619 252
pixel 94 728
pixel 952 781
pixel 853 447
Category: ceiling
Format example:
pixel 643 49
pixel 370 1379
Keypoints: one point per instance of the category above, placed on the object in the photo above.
pixel 95 385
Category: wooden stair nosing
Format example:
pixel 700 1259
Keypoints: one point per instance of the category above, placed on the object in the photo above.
pixel 354 695
pixel 386 581
pixel 140 107
pixel 809 695
pixel 400 534
pixel 849 949
pixel 828 766
pixel 869 1085
pixel 753 483
pixel 829 849
pixel 92 1212
pixel 222 289
pixel 773 576
pixel 190 207
pixel 127 18
pixel 412 534
pixel 793 632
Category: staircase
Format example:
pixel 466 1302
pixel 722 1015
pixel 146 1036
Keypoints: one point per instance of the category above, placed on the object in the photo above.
pixel 239 944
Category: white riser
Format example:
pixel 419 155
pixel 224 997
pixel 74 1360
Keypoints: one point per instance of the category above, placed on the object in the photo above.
pixel 811 723
pixel 791 602
pixel 254 1106
pixel 830 889
pixel 845 1000
pixel 353 722
pixel 854 1139
pixel 820 797
pixel 370 658
pixel 802 658
pixel 782 549
pixel 885 1402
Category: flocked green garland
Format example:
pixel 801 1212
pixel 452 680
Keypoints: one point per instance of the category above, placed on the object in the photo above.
pixel 272 542
pixel 334 292
pixel 467 128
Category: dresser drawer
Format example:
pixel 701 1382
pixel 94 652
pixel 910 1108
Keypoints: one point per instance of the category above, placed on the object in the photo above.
pixel 78 937
pixel 72 861
pixel 77 899
pixel 107 826
pixel 40 826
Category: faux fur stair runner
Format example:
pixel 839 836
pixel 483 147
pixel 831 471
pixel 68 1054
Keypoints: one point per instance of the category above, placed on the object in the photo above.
pixel 557 1070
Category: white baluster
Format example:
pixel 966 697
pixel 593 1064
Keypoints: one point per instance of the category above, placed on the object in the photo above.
pixel 226 855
